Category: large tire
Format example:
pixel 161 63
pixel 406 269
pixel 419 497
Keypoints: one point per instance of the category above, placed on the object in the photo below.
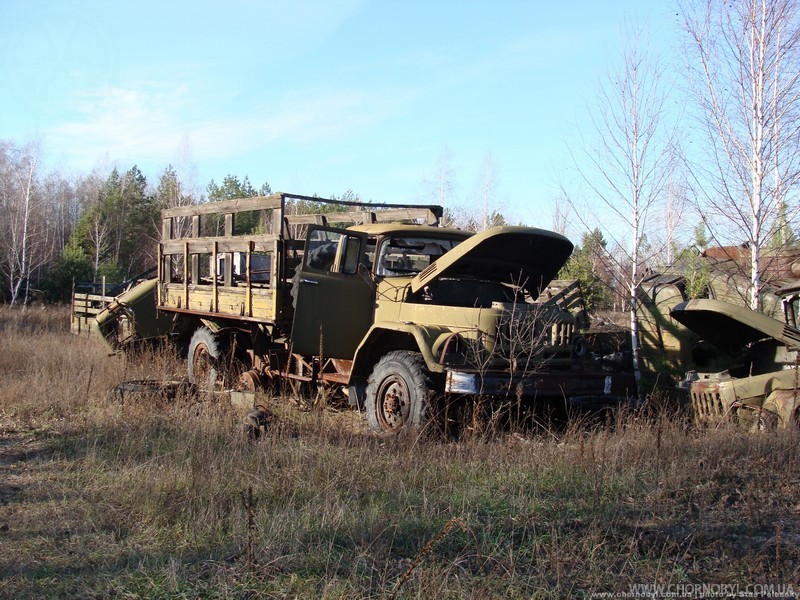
pixel 205 359
pixel 400 393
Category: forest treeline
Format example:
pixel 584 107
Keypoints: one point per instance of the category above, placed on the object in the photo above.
pixel 56 230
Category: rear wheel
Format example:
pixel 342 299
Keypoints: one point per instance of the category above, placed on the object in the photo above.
pixel 205 359
pixel 400 393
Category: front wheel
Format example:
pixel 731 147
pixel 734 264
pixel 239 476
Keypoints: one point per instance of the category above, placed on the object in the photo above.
pixel 400 393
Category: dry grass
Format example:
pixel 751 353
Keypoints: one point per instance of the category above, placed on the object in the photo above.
pixel 158 499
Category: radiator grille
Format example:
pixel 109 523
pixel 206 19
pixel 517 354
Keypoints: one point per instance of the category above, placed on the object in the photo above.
pixel 707 405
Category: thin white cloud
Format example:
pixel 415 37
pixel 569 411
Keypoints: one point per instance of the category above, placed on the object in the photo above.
pixel 148 122
pixel 120 122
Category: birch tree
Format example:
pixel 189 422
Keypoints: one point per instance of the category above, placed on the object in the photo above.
pixel 744 58
pixel 23 237
pixel 439 185
pixel 487 189
pixel 98 235
pixel 674 214
pixel 626 166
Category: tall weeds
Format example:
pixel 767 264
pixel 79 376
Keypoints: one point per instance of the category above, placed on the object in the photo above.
pixel 167 498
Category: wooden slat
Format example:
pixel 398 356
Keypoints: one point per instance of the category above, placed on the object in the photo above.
pixel 383 216
pixel 227 276
pixel 366 216
pixel 207 300
pixel 89 311
pixel 92 297
pixel 195 259
pixel 204 245
pixel 236 205
pixel 313 219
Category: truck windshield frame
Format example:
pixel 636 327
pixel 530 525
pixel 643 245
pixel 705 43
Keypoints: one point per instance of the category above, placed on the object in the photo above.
pixel 406 256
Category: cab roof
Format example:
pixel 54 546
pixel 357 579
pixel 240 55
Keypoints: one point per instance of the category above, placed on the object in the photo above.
pixel 379 229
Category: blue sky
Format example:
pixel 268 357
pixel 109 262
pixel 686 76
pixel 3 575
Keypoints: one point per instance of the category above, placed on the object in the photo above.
pixel 316 97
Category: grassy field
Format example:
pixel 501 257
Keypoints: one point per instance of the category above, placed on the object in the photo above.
pixel 161 499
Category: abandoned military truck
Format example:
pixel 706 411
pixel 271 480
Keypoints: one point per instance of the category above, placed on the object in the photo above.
pixel 759 385
pixel 378 301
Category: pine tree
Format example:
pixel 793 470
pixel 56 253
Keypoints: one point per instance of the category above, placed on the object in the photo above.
pixel 588 267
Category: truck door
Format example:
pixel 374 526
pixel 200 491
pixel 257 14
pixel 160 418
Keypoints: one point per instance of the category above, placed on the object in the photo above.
pixel 334 297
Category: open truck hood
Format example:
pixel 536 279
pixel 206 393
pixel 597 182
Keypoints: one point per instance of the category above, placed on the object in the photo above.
pixel 731 327
pixel 517 255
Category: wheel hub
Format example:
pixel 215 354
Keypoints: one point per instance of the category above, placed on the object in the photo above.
pixel 201 362
pixel 394 402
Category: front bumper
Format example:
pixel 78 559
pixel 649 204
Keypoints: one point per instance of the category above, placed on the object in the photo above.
pixel 579 389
